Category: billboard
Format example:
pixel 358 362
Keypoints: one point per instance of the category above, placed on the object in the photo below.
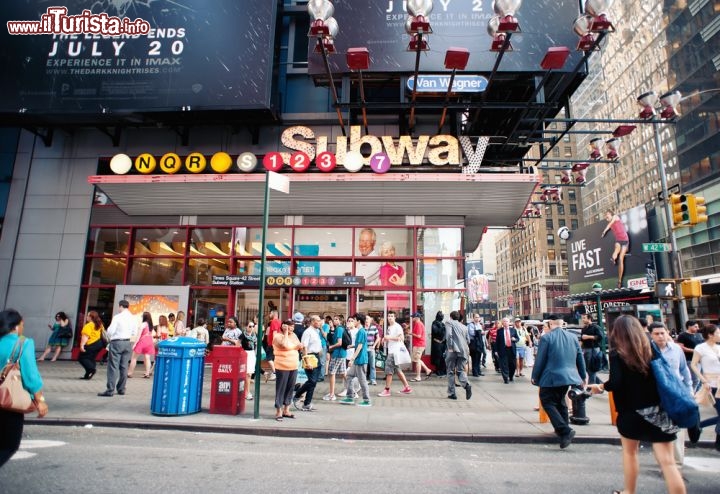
pixel 476 282
pixel 597 258
pixel 196 55
pixel 379 25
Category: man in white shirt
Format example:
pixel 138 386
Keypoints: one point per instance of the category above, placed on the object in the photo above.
pixel 395 339
pixel 312 345
pixel 121 332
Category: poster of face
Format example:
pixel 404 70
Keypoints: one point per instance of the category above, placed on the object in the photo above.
pixel 386 243
pixel 477 284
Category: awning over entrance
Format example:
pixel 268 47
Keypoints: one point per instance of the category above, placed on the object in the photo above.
pixel 484 199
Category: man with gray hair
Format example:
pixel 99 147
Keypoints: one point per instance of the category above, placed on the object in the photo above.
pixel 121 332
pixel 456 336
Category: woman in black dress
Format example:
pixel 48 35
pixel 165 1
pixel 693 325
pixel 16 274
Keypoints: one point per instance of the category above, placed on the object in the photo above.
pixel 637 402
pixel 437 349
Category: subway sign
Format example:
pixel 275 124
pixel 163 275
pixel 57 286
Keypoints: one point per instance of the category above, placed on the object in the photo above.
pixel 305 150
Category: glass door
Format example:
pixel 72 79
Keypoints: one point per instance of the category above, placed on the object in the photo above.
pixel 247 303
pixel 399 302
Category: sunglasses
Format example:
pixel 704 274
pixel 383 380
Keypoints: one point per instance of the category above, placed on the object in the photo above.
pixel 251 325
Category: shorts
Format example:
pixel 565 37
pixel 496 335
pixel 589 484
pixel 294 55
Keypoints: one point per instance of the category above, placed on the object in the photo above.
pixel 390 367
pixel 623 243
pixel 520 352
pixel 337 366
pixel 269 355
pixel 417 353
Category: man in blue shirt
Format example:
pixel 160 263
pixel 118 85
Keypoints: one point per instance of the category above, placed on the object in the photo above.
pixel 338 355
pixel 358 368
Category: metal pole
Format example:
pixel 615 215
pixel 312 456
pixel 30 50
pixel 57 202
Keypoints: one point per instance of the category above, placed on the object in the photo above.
pixel 601 323
pixel 674 254
pixel 258 350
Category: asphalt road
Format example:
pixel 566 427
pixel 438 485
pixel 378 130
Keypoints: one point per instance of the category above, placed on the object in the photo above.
pixel 80 459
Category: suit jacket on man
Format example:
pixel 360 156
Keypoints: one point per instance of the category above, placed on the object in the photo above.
pixel 559 360
pixel 500 347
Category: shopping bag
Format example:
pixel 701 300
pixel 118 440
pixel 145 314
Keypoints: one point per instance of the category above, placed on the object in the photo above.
pixel 380 359
pixel 401 356
pixel 704 397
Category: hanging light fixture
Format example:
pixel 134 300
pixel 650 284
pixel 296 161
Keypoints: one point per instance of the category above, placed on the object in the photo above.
pixel 600 20
pixel 596 152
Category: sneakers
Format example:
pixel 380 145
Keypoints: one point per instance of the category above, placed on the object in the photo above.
pixel 296 404
pixel 342 394
pixel 249 396
pixel 452 397
pixel 308 408
pixel 567 439
pixel 373 383
pixel 347 401
pixel 406 390
pixel 468 391
pixel 329 397
pixel 384 392
pixel 272 377
pixel 365 403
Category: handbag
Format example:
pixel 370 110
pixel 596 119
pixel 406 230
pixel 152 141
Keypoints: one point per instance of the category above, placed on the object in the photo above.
pixel 65 332
pixel 309 361
pixel 675 398
pixel 380 359
pixel 104 337
pixel 13 397
pixel 704 397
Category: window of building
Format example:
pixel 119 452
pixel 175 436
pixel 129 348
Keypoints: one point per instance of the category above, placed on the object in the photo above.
pixel 552 270
pixel 160 241
pixel 549 224
pixel 551 239
pixel 551 254
pixel 573 208
pixel 109 241
pixel 571 194
pixel 210 241
pixel 561 209
pixel 561 222
pixel 573 224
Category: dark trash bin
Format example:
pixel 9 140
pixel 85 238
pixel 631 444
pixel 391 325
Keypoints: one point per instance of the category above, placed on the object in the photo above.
pixel 178 380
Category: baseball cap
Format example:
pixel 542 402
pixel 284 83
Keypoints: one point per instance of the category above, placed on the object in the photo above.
pixel 518 319
pixel 298 317
pixel 417 314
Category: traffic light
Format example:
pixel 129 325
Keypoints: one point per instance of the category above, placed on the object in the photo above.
pixel 697 209
pixel 691 288
pixel 680 209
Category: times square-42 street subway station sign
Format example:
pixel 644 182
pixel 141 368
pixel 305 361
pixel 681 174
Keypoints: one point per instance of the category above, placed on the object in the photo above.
pixel 305 147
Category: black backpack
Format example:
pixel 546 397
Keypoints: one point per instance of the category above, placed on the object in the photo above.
pixel 346 339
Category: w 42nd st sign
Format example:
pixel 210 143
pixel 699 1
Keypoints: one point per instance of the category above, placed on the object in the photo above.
pixel 655 247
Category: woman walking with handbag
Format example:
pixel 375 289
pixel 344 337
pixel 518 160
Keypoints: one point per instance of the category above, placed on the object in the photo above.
pixel 13 343
pixel 637 401
pixel 706 366
pixel 60 338
pixel 90 343
pixel 145 346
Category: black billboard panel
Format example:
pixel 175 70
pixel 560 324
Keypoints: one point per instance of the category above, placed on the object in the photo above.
pixel 592 257
pixel 379 25
pixel 197 55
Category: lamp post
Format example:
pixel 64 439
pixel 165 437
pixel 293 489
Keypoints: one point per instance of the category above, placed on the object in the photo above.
pixel 597 288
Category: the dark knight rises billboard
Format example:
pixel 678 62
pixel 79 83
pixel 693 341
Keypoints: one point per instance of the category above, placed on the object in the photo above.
pixel 202 54
pixel 607 259
pixel 379 25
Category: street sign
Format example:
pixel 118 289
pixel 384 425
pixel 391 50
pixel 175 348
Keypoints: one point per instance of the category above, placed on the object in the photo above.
pixel 656 248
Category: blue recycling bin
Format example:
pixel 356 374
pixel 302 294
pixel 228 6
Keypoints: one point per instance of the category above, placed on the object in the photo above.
pixel 178 379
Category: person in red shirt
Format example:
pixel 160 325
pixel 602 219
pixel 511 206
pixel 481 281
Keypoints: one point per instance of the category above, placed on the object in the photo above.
pixel 418 347
pixel 274 327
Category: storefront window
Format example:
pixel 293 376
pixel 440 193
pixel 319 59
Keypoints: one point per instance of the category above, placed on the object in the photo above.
pixel 210 305
pixel 101 300
pixel 109 241
pixel 106 271
pixel 160 241
pixel 331 242
pixel 249 240
pixel 429 303
pixel 201 271
pixel 438 273
pixel 441 242
pixel 156 271
pixel 271 267
pixel 370 242
pixel 210 241
pixel 322 268
pixel 388 273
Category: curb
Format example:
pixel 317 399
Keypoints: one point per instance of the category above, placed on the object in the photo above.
pixel 345 435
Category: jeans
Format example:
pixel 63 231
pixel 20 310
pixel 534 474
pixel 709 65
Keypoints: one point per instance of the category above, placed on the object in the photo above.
pixel 553 401
pixel 476 360
pixel 120 352
pixel 714 420
pixel 371 372
pixel 587 355
pixel 322 362
pixel 357 371
pixel 308 386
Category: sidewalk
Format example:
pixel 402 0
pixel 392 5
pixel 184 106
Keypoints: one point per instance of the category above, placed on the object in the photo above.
pixel 497 412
